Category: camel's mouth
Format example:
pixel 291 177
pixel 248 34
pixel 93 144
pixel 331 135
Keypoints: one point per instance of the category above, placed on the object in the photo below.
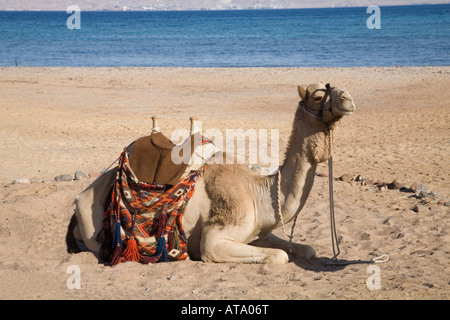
pixel 344 112
pixel 347 106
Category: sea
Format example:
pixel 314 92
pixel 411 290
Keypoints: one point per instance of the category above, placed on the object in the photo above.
pixel 416 35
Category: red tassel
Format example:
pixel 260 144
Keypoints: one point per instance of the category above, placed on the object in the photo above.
pixel 117 256
pixel 131 253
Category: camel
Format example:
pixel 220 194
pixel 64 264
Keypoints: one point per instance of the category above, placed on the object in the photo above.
pixel 233 211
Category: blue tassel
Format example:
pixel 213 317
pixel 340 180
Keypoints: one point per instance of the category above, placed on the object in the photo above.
pixel 117 236
pixel 162 250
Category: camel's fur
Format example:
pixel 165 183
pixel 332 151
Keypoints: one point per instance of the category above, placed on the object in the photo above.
pixel 233 210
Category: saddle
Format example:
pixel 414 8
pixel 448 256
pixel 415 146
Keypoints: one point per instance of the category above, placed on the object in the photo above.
pixel 151 159
pixel 143 218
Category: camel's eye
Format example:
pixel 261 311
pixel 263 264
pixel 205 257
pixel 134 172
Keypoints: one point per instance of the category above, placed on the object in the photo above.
pixel 317 98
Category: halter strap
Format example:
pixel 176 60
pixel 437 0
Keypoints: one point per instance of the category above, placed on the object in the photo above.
pixel 308 110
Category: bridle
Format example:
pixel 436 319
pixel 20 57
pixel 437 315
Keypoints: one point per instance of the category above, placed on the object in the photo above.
pixel 319 117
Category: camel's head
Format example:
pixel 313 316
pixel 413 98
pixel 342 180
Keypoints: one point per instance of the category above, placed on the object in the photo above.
pixel 325 103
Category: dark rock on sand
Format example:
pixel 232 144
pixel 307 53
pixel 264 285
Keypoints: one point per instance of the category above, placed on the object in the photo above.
pixel 64 177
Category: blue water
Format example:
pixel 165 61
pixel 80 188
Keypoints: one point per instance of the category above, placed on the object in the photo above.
pixel 334 37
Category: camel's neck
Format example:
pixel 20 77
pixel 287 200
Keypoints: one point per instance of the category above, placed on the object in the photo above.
pixel 307 147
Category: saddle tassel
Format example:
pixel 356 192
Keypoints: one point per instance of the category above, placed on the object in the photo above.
pixel 117 242
pixel 161 249
pixel 131 253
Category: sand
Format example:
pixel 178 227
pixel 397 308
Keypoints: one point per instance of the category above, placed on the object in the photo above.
pixel 59 120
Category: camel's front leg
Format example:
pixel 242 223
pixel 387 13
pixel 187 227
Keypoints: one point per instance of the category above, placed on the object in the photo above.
pixel 217 246
pixel 301 251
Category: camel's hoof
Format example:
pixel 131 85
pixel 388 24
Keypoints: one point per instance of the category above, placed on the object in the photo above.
pixel 305 252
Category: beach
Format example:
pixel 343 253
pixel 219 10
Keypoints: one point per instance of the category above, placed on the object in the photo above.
pixel 60 120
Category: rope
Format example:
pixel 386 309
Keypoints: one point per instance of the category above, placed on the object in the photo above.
pixel 334 238
pixel 381 259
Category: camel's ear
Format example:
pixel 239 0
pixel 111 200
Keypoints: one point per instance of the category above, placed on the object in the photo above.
pixel 302 92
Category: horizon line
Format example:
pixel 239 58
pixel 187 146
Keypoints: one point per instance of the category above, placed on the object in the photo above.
pixel 229 9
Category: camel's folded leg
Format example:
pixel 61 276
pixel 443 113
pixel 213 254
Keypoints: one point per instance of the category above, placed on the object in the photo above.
pixel 217 248
pixel 298 250
pixel 90 209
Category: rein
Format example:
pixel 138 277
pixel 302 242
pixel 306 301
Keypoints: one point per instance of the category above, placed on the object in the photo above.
pixel 334 238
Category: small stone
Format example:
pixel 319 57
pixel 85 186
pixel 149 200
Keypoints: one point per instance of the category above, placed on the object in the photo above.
pixel 322 175
pixel 447 204
pixel 399 235
pixel 21 181
pixel 427 284
pixel 171 277
pixel 420 208
pixel 346 177
pixel 383 188
pixel 63 177
pixel 80 175
pixel 405 189
pixel 395 185
pixel 416 186
pixel 368 182
pixel 94 174
pixel 195 291
pixel 423 194
pixel 435 194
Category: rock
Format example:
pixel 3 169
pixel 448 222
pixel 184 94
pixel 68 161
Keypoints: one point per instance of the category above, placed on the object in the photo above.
pixel 399 235
pixel 171 277
pixel 405 189
pixel 435 194
pixel 420 208
pixel 80 175
pixel 447 204
pixel 395 185
pixel 346 177
pixel 21 181
pixel 427 284
pixel 36 180
pixel 423 194
pixel 416 186
pixel 64 177
pixel 368 182
pixel 322 175
pixel 359 178
pixel 94 174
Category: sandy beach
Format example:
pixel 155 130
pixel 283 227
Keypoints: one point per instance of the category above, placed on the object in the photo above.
pixel 57 121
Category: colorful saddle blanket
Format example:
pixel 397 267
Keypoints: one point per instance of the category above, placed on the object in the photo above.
pixel 145 220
